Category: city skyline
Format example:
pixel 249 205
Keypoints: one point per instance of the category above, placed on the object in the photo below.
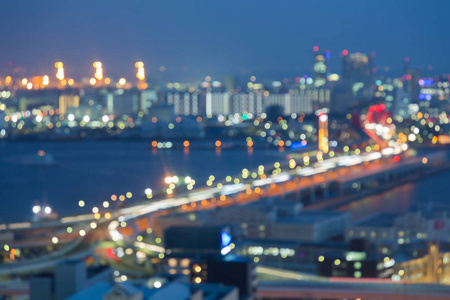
pixel 194 40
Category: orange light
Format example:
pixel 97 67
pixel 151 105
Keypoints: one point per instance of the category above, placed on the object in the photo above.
pixel 113 197
pixel 257 190
pixel 107 81
pixel 154 144
pixel 223 197
pixel 98 70
pixel 59 71
pixel 199 119
pixel 97 216
pixel 218 143
pixel 122 198
pixel 108 216
pixel 248 191
pixel 140 73
pixel 154 119
pixel 70 81
pixel 419 115
pixel 64 82
pixel 249 144
pixel 204 202
pixel 281 143
pixel 186 144
pixel 8 79
pixel 193 204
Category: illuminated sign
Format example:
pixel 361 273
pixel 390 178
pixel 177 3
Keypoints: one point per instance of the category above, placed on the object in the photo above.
pixel 225 238
pixel 426 82
pixel 424 96
pixel 298 145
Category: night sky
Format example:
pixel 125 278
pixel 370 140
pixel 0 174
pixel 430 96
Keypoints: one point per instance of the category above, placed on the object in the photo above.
pixel 192 39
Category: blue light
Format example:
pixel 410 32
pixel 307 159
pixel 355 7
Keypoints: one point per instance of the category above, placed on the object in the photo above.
pixel 298 145
pixel 426 82
pixel 327 55
pixel 424 96
pixel 225 238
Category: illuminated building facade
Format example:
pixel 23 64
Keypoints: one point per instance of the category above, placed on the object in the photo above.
pixel 186 103
pixel 434 267
pixel 357 70
pixel 320 68
pixel 65 102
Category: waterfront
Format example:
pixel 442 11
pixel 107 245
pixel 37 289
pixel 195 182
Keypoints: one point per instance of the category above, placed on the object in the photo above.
pixel 94 170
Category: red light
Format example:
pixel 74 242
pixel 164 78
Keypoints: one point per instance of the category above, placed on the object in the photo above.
pixel 345 52
pixel 316 48
pixel 382 106
pixel 408 77
pixel 371 109
pixel 406 59
pixel 396 158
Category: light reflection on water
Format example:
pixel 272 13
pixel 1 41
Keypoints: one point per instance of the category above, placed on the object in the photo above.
pixel 94 170
pixel 397 200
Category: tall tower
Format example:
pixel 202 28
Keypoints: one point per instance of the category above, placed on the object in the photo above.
pixel 142 85
pixel 323 132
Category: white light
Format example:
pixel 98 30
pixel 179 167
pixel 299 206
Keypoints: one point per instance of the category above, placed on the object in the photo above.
pixel 175 179
pixel 36 209
pixel 187 180
pixel 48 210
pixel 323 118
pixel 82 232
pixel 54 240
pixel 38 118
pixel 148 191
pixel 86 118
pixel 71 117
pixel 225 250
pixel 157 284
pixel 105 118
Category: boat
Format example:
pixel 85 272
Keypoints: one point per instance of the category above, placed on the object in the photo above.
pixel 41 159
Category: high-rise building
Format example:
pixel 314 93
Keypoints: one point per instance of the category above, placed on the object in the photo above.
pixel 319 91
pixel 320 68
pixel 357 67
